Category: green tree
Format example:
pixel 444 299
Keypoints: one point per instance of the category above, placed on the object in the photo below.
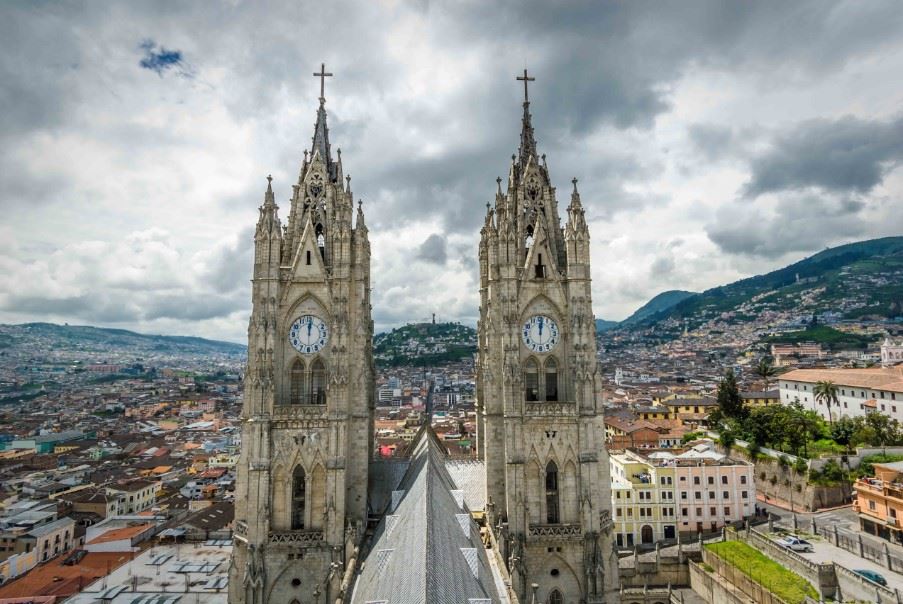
pixel 727 440
pixel 765 370
pixel 844 429
pixel 826 392
pixel 729 402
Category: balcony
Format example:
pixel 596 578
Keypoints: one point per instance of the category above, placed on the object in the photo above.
pixel 303 538
pixel 556 532
pixel 550 409
pixel 299 412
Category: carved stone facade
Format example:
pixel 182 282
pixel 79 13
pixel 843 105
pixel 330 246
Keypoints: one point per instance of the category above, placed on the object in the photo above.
pixel 540 426
pixel 307 420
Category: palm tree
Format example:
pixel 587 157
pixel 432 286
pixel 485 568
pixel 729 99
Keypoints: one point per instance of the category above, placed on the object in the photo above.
pixel 765 370
pixel 826 392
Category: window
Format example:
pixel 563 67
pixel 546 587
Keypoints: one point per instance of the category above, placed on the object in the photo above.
pixel 299 492
pixel 727 511
pixel 871 505
pixel 551 379
pixel 318 383
pixel 308 257
pixel 555 597
pixel 531 380
pixel 552 494
pixel 697 495
pixel 699 511
pixel 744 494
pixel 724 480
pixel 743 479
pixel 683 494
pixel 711 494
pixel 540 268
pixel 619 512
pixel 711 480
pixel 712 511
pixel 696 480
pixel 297 383
pixel 725 495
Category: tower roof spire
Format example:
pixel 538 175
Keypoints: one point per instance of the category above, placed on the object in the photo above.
pixel 527 142
pixel 321 130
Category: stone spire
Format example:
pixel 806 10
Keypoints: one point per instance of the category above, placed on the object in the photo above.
pixel 269 218
pixel 527 142
pixel 321 137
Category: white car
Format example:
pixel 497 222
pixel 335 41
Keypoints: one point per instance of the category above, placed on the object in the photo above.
pixel 796 544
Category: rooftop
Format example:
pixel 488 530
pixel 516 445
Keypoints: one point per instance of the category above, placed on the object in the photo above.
pixel 879 378
pixel 165 574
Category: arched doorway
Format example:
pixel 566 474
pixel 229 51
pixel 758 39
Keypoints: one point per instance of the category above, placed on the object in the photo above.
pixel 646 534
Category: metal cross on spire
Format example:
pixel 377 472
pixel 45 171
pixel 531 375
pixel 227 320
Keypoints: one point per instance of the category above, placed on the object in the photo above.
pixel 323 75
pixel 525 79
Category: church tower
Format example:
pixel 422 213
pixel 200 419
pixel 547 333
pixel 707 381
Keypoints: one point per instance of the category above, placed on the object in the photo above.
pixel 307 419
pixel 540 427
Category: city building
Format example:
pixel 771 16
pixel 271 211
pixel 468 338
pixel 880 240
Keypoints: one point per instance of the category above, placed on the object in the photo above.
pixel 659 494
pixel 879 501
pixel 859 391
pixel 891 352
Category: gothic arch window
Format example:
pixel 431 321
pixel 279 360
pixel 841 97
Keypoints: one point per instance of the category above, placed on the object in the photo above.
pixel 531 380
pixel 551 375
pixel 555 597
pixel 299 495
pixel 318 383
pixel 552 515
pixel 296 395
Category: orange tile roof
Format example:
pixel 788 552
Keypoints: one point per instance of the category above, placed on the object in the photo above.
pixel 56 579
pixel 878 378
pixel 121 533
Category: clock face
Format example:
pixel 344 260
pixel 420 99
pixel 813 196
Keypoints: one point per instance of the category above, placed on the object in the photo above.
pixel 540 333
pixel 308 334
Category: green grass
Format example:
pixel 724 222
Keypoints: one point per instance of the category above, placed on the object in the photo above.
pixel 764 571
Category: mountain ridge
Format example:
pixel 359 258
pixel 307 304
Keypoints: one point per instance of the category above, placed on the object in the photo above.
pixel 870 271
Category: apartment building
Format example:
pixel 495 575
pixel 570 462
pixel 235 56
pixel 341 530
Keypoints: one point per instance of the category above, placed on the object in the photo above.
pixel 656 495
pixel 879 502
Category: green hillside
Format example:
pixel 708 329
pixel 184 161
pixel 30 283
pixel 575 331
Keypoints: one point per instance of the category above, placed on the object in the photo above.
pixel 856 280
pixel 604 325
pixel 87 339
pixel 423 344
pixel 657 304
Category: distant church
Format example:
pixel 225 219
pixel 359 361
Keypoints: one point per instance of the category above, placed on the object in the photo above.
pixel 308 485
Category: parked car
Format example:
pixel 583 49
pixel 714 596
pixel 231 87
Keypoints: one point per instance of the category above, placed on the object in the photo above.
pixel 872 576
pixel 796 544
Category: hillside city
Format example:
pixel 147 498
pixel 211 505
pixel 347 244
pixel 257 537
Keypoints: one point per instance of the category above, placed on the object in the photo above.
pixel 114 444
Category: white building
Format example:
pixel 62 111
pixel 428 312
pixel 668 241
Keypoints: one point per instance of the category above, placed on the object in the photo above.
pixel 891 352
pixel 657 496
pixel 859 391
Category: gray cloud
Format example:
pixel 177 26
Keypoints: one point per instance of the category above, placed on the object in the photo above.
pixel 433 250
pixel 426 109
pixel 844 155
pixel 800 223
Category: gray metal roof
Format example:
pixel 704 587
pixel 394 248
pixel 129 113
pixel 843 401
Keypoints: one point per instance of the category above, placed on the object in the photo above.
pixel 426 549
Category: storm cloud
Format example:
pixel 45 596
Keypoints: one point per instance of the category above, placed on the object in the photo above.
pixel 137 138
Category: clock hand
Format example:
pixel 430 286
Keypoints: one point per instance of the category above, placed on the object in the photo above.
pixel 309 325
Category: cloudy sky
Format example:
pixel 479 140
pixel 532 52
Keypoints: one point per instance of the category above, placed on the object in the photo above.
pixel 712 141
